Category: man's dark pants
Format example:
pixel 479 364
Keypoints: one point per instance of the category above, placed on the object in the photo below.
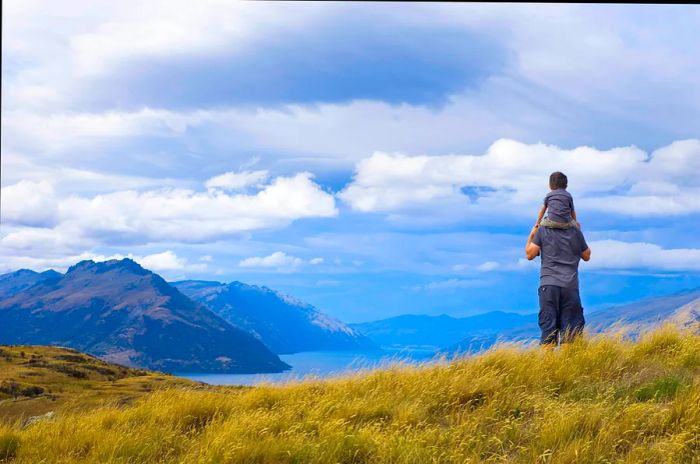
pixel 561 314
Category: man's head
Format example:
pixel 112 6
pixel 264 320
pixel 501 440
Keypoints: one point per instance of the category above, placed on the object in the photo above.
pixel 558 180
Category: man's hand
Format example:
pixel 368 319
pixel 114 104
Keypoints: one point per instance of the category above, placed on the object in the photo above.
pixel 532 250
pixel 586 255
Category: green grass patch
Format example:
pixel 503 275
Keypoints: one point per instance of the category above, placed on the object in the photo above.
pixel 662 389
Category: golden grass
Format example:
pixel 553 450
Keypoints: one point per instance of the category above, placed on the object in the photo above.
pixel 48 378
pixel 601 399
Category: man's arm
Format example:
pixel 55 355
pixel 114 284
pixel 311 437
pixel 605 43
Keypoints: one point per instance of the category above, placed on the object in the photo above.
pixel 586 255
pixel 531 250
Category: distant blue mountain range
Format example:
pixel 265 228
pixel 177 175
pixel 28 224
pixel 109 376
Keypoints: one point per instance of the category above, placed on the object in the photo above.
pixel 438 331
pixel 469 334
pixel 283 323
pixel 15 282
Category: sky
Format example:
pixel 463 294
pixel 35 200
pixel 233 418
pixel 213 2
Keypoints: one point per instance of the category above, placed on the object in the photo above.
pixel 370 159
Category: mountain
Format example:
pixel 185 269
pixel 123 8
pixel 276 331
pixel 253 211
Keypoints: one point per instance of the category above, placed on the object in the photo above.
pixel 125 314
pixel 648 311
pixel 437 331
pixel 688 314
pixel 17 281
pixel 682 308
pixel 282 323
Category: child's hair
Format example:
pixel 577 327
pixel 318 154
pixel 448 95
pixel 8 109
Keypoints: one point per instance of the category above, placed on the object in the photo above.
pixel 558 180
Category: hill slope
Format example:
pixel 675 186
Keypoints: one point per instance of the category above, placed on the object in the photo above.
pixel 283 323
pixel 126 314
pixel 688 314
pixel 648 311
pixel 598 400
pixel 36 380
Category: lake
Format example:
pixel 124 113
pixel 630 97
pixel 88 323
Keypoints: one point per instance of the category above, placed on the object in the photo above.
pixel 322 364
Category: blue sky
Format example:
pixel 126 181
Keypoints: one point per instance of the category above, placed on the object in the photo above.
pixel 372 159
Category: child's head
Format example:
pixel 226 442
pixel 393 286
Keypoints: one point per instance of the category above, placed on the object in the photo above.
pixel 557 180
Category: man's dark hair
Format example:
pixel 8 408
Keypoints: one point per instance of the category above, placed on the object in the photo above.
pixel 558 180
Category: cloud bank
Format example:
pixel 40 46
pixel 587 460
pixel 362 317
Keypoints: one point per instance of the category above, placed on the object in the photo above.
pixel 511 178
pixel 180 215
pixel 144 126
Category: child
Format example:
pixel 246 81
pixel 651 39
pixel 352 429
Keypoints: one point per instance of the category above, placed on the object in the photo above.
pixel 559 205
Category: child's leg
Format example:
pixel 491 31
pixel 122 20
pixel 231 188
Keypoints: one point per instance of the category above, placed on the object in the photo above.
pixel 540 216
pixel 546 222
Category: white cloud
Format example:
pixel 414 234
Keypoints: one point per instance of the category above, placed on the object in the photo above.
pixel 449 284
pixel 163 28
pixel 237 180
pixel 633 66
pixel 620 60
pixel 617 70
pixel 170 214
pixel 681 202
pixel 511 179
pixel 61 45
pixel 676 162
pixel 350 130
pixel 279 260
pixel 28 203
pixel 523 264
pixel 613 254
pixel 619 255
pixel 157 262
pixel 166 260
pixel 488 266
pixel 43 263
pixel 46 242
pixel 62 180
pixel 62 131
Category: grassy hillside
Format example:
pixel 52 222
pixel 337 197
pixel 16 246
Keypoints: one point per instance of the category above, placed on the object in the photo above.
pixel 599 400
pixel 35 380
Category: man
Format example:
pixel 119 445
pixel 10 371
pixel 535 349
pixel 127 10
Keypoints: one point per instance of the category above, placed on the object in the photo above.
pixel 561 314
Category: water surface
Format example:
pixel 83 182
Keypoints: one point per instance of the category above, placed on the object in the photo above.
pixel 319 364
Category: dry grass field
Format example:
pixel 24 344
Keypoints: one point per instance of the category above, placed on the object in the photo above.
pixel 601 399
pixel 35 380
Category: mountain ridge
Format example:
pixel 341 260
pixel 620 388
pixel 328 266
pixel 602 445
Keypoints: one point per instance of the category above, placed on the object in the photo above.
pixel 21 279
pixel 436 331
pixel 283 322
pixel 126 314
